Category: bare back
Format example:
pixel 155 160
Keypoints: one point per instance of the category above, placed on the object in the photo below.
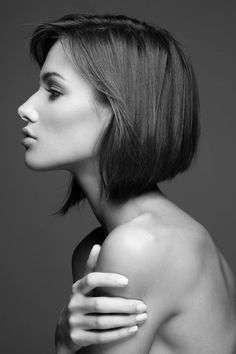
pixel 207 321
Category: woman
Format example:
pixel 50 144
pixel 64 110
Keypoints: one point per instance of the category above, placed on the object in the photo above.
pixel 118 108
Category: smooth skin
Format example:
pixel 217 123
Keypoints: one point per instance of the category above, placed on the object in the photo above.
pixel 72 330
pixel 169 259
pixel 178 272
pixel 67 122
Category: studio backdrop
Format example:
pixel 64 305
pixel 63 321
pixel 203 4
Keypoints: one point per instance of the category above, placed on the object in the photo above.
pixel 36 247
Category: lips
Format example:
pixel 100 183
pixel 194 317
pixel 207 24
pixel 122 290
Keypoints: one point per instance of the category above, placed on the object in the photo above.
pixel 27 133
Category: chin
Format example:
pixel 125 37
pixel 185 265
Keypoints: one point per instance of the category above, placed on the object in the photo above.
pixel 37 165
pixel 47 162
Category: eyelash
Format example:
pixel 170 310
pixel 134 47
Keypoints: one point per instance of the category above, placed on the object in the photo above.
pixel 53 93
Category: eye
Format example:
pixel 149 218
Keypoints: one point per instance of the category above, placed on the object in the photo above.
pixel 53 93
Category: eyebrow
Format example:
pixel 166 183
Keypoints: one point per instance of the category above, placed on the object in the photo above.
pixel 49 74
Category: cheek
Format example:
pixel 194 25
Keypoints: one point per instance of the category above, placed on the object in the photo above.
pixel 74 128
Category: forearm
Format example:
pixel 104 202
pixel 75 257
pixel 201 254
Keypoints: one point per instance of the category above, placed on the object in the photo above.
pixel 62 345
pixel 64 350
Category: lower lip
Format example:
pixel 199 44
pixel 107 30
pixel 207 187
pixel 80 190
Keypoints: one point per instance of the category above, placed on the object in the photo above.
pixel 27 140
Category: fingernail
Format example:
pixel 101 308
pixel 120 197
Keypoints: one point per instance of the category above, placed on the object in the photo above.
pixel 141 317
pixel 123 281
pixel 141 307
pixel 133 329
pixel 96 247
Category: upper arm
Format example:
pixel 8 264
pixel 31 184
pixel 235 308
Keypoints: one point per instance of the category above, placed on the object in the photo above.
pixel 157 275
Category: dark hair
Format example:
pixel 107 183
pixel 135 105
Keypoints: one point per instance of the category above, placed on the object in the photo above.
pixel 148 80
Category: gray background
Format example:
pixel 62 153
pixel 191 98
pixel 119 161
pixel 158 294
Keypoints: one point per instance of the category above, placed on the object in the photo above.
pixel 36 247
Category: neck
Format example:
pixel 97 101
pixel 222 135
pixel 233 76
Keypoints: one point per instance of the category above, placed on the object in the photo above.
pixel 109 214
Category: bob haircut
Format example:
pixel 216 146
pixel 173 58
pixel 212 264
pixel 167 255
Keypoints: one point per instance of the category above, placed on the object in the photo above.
pixel 148 80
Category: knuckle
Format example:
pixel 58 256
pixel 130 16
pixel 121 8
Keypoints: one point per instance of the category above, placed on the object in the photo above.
pixel 75 301
pixel 119 333
pixel 78 338
pixel 74 286
pixel 73 336
pixel 97 339
pixel 99 323
pixel 96 304
pixel 73 320
pixel 70 304
pixel 86 279
pixel 89 279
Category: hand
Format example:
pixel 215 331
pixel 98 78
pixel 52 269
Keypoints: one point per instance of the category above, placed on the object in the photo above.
pixel 83 315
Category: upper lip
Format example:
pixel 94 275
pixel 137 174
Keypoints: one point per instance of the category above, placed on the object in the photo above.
pixel 27 132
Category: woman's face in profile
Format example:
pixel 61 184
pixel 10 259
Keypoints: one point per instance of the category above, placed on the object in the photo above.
pixel 63 115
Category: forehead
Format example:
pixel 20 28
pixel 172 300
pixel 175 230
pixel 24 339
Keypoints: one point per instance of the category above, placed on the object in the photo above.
pixel 59 59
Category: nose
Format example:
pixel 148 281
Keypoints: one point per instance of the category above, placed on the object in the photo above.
pixel 27 113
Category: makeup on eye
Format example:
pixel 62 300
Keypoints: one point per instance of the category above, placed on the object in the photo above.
pixel 52 88
pixel 53 93
pixel 50 81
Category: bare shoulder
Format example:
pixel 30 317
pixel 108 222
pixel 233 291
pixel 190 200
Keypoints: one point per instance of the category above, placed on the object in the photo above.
pixel 138 250
pixel 164 240
pixel 161 270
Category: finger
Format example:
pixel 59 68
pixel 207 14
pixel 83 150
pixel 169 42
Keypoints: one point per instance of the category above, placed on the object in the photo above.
pixel 104 304
pixel 96 279
pixel 81 337
pixel 92 259
pixel 105 322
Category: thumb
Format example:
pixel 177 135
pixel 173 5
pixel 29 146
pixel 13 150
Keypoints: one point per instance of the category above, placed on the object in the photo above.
pixel 92 259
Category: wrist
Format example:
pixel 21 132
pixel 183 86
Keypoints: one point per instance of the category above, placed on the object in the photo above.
pixel 61 349
pixel 63 343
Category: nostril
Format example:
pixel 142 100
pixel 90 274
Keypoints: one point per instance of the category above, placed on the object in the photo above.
pixel 28 115
pixel 21 115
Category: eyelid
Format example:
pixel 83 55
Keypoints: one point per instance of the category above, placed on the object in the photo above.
pixel 53 89
pixel 50 82
pixel 53 85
